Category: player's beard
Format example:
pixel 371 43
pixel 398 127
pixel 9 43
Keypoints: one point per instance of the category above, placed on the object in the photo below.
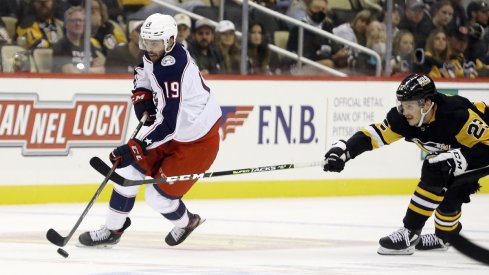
pixel 154 56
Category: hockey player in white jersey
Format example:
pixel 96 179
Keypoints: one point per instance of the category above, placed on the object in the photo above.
pixel 180 137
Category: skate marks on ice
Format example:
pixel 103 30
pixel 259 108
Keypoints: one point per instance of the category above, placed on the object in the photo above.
pixel 292 236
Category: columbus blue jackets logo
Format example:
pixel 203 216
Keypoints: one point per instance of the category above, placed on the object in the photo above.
pixel 232 118
pixel 168 60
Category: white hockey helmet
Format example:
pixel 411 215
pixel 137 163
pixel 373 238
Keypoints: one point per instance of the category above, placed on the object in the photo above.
pixel 158 27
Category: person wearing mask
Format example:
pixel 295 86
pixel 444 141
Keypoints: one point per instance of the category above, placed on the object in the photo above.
pixel 315 47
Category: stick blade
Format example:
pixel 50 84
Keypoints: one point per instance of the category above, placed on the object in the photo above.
pixel 101 167
pixel 55 238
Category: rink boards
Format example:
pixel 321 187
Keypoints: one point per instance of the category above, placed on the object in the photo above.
pixel 51 127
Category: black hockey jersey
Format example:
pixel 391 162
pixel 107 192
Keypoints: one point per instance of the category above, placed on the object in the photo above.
pixel 456 123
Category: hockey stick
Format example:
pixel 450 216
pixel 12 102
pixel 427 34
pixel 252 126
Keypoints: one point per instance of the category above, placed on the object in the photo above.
pixel 469 249
pixel 103 168
pixel 53 236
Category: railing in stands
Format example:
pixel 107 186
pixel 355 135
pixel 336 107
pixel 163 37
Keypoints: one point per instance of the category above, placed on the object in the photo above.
pixel 278 49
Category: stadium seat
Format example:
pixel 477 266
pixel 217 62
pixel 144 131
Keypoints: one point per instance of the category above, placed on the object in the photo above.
pixel 10 23
pixel 8 52
pixel 339 4
pixel 43 59
pixel 280 38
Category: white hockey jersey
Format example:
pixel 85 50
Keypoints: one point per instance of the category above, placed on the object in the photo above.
pixel 186 107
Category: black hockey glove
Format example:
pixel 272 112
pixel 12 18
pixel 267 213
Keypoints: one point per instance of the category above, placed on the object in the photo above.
pixel 440 169
pixel 336 157
pixel 128 153
pixel 143 102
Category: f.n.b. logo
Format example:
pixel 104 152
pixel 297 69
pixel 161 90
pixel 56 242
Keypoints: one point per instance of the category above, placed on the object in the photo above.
pixel 232 118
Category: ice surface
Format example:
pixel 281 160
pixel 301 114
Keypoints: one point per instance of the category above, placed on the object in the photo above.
pixel 262 236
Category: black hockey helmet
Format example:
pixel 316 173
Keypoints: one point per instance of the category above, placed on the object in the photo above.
pixel 416 87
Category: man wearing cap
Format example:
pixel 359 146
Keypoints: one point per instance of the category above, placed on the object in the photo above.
pixel 184 25
pixel 478 12
pixel 202 49
pixel 417 21
pixel 457 44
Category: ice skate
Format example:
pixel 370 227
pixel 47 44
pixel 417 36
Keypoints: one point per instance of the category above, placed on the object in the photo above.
pixel 430 242
pixel 103 237
pixel 400 242
pixel 177 235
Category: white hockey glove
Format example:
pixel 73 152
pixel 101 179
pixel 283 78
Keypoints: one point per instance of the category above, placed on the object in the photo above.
pixel 452 159
pixel 336 157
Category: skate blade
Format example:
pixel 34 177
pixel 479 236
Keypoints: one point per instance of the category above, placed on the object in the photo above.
pixel 100 246
pixel 434 249
pixel 386 251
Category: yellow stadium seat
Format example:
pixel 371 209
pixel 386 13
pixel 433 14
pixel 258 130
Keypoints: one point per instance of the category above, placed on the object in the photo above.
pixel 43 59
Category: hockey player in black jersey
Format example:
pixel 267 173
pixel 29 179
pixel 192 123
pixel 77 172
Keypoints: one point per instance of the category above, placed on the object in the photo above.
pixel 455 134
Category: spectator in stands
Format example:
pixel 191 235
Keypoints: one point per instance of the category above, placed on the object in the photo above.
pixel 315 47
pixel 227 45
pixel 432 60
pixel 68 53
pixel 457 44
pixel 376 40
pixel 116 12
pixel 442 15
pixel 38 27
pixel 261 59
pixel 107 33
pixel 124 57
pixel 4 36
pixel 478 16
pixel 202 49
pixel 417 21
pixel 402 53
pixel 355 31
pixel 184 26
pixel 459 16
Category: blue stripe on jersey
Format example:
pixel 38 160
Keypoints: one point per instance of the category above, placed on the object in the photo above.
pixel 169 78
pixel 121 203
pixel 177 214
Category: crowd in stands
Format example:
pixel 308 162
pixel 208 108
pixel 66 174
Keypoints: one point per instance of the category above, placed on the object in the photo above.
pixel 442 38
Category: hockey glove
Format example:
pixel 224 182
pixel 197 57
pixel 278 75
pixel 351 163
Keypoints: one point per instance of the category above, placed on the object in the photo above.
pixel 128 153
pixel 143 102
pixel 439 169
pixel 336 157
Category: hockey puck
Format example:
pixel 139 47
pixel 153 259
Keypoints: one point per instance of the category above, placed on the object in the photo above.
pixel 63 253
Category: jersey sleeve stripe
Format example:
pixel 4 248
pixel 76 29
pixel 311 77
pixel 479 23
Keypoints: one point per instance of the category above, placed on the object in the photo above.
pixel 375 139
